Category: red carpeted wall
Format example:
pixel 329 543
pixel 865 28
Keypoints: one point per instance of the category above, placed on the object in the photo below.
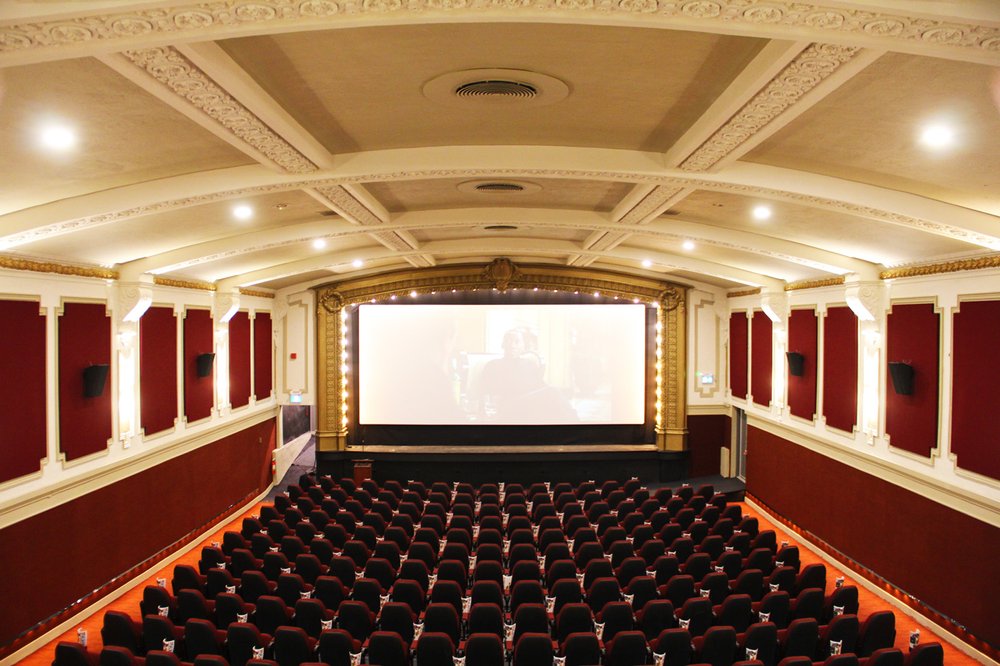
pixel 198 339
pixel 912 336
pixel 84 340
pixel 802 329
pixel 67 552
pixel 263 381
pixel 975 398
pixel 939 555
pixel 738 354
pixel 239 359
pixel 22 394
pixel 760 362
pixel 707 435
pixel 157 370
pixel 840 368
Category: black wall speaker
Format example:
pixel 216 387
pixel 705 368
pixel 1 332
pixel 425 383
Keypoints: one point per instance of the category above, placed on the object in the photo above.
pixel 205 364
pixel 902 377
pixel 94 379
pixel 796 364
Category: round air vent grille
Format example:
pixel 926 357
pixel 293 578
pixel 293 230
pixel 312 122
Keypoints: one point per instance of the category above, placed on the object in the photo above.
pixel 496 89
pixel 499 187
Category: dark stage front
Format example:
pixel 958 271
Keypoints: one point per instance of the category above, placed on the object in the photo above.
pixel 525 463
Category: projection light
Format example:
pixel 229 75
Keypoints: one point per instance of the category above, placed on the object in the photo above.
pixel 902 377
pixel 796 364
pixel 94 379
pixel 204 364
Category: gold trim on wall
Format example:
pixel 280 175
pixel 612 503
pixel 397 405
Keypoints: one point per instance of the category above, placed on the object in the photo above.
pixel 256 292
pixel 182 284
pixel 670 298
pixel 743 292
pixel 19 264
pixel 977 263
pixel 814 284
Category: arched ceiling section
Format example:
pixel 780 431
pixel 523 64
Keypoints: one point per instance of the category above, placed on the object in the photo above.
pixel 640 136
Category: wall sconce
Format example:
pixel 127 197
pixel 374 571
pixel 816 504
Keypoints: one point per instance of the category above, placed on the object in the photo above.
pixel 204 363
pixel 902 377
pixel 796 364
pixel 94 379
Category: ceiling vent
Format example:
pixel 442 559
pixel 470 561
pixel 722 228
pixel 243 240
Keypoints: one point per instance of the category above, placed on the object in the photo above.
pixel 499 187
pixel 492 88
pixel 500 227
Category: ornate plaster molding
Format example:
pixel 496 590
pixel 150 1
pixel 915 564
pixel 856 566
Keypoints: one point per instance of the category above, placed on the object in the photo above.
pixel 183 284
pixel 393 241
pixel 815 284
pixel 346 205
pixel 972 264
pixel 743 292
pixel 808 70
pixel 259 293
pixel 201 21
pixel 650 205
pixel 169 67
pixel 20 264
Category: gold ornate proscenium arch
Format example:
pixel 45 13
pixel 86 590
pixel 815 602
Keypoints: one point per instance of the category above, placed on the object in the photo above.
pixel 501 274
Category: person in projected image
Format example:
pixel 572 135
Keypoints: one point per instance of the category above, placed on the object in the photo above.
pixel 514 388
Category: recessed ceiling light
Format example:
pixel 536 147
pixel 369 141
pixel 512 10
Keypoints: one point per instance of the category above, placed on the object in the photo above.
pixel 688 245
pixel 413 294
pixel 319 243
pixel 357 263
pixel 646 263
pixel 937 136
pixel 242 212
pixel 57 137
pixel 761 212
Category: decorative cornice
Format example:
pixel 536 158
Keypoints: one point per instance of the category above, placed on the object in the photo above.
pixel 183 284
pixel 743 292
pixel 974 264
pixel 393 241
pixel 201 21
pixel 807 71
pixel 256 292
pixel 19 264
pixel 169 67
pixel 650 205
pixel 815 284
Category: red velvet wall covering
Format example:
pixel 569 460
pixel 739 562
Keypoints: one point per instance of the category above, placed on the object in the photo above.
pixel 760 362
pixel 77 547
pixel 197 340
pixel 738 354
pixel 840 368
pixel 262 381
pixel 157 369
pixel 975 399
pixel 912 336
pixel 239 359
pixel 707 435
pixel 940 556
pixel 22 402
pixel 802 329
pixel 84 340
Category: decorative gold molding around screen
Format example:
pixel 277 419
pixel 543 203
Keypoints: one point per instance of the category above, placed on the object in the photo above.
pixel 18 264
pixel 992 261
pixel 815 284
pixel 256 292
pixel 183 284
pixel 670 298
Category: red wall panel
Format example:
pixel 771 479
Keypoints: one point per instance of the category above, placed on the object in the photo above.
pixel 760 363
pixel 975 399
pixel 22 402
pixel 906 538
pixel 239 359
pixel 197 340
pixel 912 336
pixel 840 368
pixel 262 356
pixel 157 369
pixel 802 329
pixel 79 546
pixel 707 435
pixel 738 338
pixel 84 340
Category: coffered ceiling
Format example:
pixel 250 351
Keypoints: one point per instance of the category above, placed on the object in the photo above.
pixel 725 142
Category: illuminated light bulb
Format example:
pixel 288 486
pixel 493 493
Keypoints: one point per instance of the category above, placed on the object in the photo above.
pixel 413 294
pixel 937 136
pixel 242 212
pixel 393 297
pixel 762 212
pixel 58 138
pixel 688 245
pixel 319 243
pixel 357 263
pixel 646 263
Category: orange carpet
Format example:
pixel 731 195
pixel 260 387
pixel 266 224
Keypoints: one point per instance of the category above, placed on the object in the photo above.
pixel 869 602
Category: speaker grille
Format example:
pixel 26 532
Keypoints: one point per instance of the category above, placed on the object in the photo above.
pixel 496 88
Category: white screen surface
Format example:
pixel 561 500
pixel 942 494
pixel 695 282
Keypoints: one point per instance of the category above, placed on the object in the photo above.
pixel 501 364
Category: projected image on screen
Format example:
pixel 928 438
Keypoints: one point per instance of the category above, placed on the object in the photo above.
pixel 501 364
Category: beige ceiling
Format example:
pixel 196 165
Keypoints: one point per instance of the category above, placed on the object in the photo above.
pixel 334 127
